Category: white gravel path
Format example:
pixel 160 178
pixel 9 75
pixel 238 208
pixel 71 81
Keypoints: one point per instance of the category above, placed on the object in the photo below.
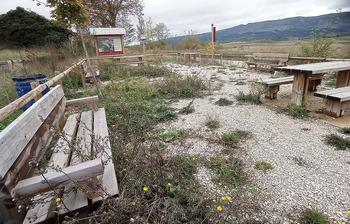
pixel 322 183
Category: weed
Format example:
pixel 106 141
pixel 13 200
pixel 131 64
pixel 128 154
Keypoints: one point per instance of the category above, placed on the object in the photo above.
pixel 240 83
pixel 263 166
pixel 312 216
pixel 186 110
pixel 298 111
pixel 300 161
pixel 231 139
pixel 227 172
pixel 12 117
pixel 224 102
pixel 255 92
pixel 345 130
pixel 169 135
pixel 338 142
pixel 177 87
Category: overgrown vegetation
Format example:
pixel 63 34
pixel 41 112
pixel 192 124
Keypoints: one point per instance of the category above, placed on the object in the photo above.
pixel 186 110
pixel 298 111
pixel 345 130
pixel 231 139
pixel 212 122
pixel 256 90
pixel 313 216
pixel 338 142
pixel 263 166
pixel 224 102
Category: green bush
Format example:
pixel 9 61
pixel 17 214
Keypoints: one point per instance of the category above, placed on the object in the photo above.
pixel 263 166
pixel 345 130
pixel 338 142
pixel 311 216
pixel 186 110
pixel 256 90
pixel 224 102
pixel 298 111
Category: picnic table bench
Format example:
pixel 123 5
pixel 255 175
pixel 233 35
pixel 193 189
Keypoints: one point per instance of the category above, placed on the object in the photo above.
pixel 336 100
pixel 88 75
pixel 272 86
pixel 81 159
pixel 258 61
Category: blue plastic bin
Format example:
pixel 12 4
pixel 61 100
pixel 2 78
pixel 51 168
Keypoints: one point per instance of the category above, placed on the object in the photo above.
pixel 22 84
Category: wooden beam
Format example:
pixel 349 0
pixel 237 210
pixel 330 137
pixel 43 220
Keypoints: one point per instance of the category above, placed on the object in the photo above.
pixel 51 180
pixel 343 79
pixel 20 102
pixel 87 100
pixel 16 136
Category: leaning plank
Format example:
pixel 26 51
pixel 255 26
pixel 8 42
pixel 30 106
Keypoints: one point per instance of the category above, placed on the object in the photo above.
pixel 76 199
pixel 102 149
pixel 55 179
pixel 79 101
pixel 59 159
pixel 16 136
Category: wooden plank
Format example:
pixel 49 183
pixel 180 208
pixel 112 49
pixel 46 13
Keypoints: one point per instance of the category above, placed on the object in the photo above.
pixel 278 81
pixel 325 93
pixel 102 149
pixel 55 179
pixel 16 136
pixel 271 57
pixel 59 159
pixel 341 97
pixel 83 100
pixel 343 79
pixel 300 86
pixel 76 199
pixel 317 68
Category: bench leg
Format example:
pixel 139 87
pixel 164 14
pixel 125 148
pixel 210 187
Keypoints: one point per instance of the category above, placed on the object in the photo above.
pixel 335 108
pixel 313 84
pixel 271 92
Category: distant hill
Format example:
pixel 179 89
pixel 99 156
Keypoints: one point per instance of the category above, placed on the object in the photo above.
pixel 279 30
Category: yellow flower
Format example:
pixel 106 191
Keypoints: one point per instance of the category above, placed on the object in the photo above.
pixel 340 220
pixel 219 208
pixel 113 125
pixel 133 203
pixel 169 184
pixel 127 145
pixel 58 199
pixel 193 158
pixel 349 212
pixel 104 212
pixel 124 154
pixel 284 206
pixel 214 201
pixel 146 141
pixel 126 159
pixel 134 160
pixel 223 198
pixel 229 198
pixel 219 184
pixel 145 189
pixel 124 169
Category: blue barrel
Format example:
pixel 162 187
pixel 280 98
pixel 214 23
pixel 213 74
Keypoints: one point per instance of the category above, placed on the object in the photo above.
pixel 22 84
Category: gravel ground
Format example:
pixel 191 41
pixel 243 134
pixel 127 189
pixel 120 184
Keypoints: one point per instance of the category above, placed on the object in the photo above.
pixel 322 183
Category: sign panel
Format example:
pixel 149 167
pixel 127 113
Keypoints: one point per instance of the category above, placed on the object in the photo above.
pixel 109 45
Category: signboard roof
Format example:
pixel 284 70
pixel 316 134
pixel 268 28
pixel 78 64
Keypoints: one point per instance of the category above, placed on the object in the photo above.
pixel 107 31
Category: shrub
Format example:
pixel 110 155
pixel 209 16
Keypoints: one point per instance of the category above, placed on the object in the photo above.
pixel 345 130
pixel 228 172
pixel 311 216
pixel 256 90
pixel 263 166
pixel 169 135
pixel 338 142
pixel 224 102
pixel 186 110
pixel 298 111
pixel 231 139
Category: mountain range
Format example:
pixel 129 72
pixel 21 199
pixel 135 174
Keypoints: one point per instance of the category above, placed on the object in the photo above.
pixel 279 30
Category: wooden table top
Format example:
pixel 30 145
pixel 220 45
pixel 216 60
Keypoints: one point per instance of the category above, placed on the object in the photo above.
pixel 317 68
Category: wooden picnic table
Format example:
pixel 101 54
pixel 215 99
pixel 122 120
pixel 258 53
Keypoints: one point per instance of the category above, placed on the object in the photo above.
pixel 303 73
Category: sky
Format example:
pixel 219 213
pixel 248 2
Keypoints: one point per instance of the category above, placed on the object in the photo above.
pixel 182 16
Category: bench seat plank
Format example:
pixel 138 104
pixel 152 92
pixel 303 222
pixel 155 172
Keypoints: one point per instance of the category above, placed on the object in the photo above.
pixel 16 136
pixel 59 159
pixel 278 81
pixel 102 149
pixel 326 93
pixel 76 199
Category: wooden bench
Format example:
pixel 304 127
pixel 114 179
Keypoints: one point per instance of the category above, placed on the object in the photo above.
pixel 275 60
pixel 336 100
pixel 272 86
pixel 81 159
pixel 125 60
pixel 88 75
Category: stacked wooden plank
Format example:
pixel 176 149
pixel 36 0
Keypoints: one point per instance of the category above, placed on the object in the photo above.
pixel 270 61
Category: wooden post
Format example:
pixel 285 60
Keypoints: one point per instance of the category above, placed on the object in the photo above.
pixel 143 47
pixel 300 86
pixel 343 79
pixel 212 43
pixel 33 85
pixel 82 73
pixel 56 73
